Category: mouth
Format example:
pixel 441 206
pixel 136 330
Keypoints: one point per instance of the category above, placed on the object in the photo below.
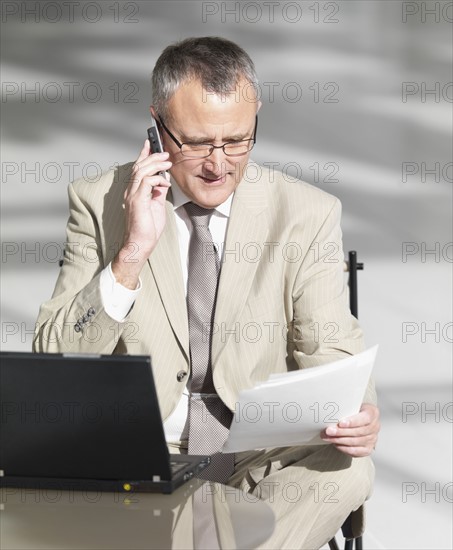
pixel 214 180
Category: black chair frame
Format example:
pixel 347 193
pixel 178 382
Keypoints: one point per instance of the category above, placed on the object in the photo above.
pixel 352 534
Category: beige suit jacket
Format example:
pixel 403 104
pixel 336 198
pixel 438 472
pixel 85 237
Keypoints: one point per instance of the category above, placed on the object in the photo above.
pixel 282 300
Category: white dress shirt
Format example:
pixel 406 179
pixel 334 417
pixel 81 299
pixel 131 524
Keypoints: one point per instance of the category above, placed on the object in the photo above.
pixel 118 300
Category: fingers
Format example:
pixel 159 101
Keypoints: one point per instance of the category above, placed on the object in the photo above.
pixel 355 421
pixel 356 435
pixel 351 439
pixel 159 195
pixel 367 415
pixel 145 171
pixel 147 190
pixel 334 431
pixel 155 181
pixel 354 445
pixel 144 153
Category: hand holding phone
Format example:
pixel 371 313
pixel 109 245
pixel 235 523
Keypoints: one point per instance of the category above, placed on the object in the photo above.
pixel 145 210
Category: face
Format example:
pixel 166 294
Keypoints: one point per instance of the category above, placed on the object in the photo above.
pixel 195 115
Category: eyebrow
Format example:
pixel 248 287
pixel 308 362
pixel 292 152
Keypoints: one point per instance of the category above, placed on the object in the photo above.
pixel 192 139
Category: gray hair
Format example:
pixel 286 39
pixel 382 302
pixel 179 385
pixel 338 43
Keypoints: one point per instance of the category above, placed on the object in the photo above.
pixel 218 63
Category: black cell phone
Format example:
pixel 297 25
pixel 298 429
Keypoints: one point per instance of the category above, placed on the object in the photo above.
pixel 154 138
pixel 155 141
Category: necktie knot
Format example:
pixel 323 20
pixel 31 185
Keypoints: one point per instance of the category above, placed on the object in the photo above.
pixel 198 215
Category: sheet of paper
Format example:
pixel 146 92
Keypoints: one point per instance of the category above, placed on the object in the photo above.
pixel 293 408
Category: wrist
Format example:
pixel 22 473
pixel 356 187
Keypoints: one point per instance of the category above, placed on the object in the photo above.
pixel 127 265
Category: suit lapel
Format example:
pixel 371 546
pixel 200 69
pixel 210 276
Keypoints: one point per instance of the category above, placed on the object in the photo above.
pixel 247 231
pixel 165 265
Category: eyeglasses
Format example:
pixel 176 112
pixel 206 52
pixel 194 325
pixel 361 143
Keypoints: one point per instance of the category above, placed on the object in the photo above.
pixel 203 150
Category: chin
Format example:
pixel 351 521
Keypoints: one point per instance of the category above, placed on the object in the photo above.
pixel 212 198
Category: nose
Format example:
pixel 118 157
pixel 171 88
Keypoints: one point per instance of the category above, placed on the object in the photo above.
pixel 215 161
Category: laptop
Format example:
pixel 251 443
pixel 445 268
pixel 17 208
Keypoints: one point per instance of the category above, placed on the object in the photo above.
pixel 85 422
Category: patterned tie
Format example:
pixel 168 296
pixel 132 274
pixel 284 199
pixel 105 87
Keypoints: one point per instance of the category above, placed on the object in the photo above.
pixel 209 418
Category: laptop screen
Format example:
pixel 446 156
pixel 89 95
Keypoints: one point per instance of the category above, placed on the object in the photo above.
pixel 78 416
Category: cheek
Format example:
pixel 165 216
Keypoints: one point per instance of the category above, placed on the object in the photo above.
pixel 183 166
pixel 239 169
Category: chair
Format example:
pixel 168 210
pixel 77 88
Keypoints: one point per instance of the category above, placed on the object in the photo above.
pixel 354 525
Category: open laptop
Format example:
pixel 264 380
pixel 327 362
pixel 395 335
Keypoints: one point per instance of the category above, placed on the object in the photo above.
pixel 85 422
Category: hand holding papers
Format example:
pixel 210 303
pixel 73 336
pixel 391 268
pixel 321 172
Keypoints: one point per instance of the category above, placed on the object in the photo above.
pixel 294 407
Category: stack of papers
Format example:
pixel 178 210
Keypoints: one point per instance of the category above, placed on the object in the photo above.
pixel 294 407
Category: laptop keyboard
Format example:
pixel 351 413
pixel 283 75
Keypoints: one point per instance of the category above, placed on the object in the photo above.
pixel 177 466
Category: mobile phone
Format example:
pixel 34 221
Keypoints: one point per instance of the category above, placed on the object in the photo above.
pixel 154 138
pixel 155 141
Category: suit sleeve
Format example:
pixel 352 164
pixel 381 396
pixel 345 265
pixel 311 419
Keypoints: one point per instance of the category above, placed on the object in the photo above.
pixel 74 320
pixel 324 329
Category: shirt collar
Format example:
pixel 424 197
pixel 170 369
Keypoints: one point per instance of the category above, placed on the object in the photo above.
pixel 180 198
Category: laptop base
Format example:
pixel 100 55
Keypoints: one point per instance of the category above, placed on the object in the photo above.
pixel 191 469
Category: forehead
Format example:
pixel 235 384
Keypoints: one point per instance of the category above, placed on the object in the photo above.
pixel 192 106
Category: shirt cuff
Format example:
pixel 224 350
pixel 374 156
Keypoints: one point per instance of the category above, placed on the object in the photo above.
pixel 116 298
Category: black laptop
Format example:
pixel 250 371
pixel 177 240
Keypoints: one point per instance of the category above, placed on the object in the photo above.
pixel 85 422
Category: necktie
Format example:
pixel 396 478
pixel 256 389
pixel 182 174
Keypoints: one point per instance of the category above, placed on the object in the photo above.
pixel 209 418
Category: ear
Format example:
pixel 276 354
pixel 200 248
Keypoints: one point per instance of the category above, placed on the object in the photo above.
pixel 152 110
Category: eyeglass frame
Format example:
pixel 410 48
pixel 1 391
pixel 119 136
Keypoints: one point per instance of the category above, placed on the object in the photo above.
pixel 211 145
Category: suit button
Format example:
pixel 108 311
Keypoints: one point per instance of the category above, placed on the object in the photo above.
pixel 85 319
pixel 181 375
pixel 77 327
pixel 91 311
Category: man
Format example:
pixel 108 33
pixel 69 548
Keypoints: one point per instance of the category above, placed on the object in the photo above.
pixel 141 277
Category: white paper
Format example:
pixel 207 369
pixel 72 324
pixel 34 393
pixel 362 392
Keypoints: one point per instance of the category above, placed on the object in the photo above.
pixel 294 407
